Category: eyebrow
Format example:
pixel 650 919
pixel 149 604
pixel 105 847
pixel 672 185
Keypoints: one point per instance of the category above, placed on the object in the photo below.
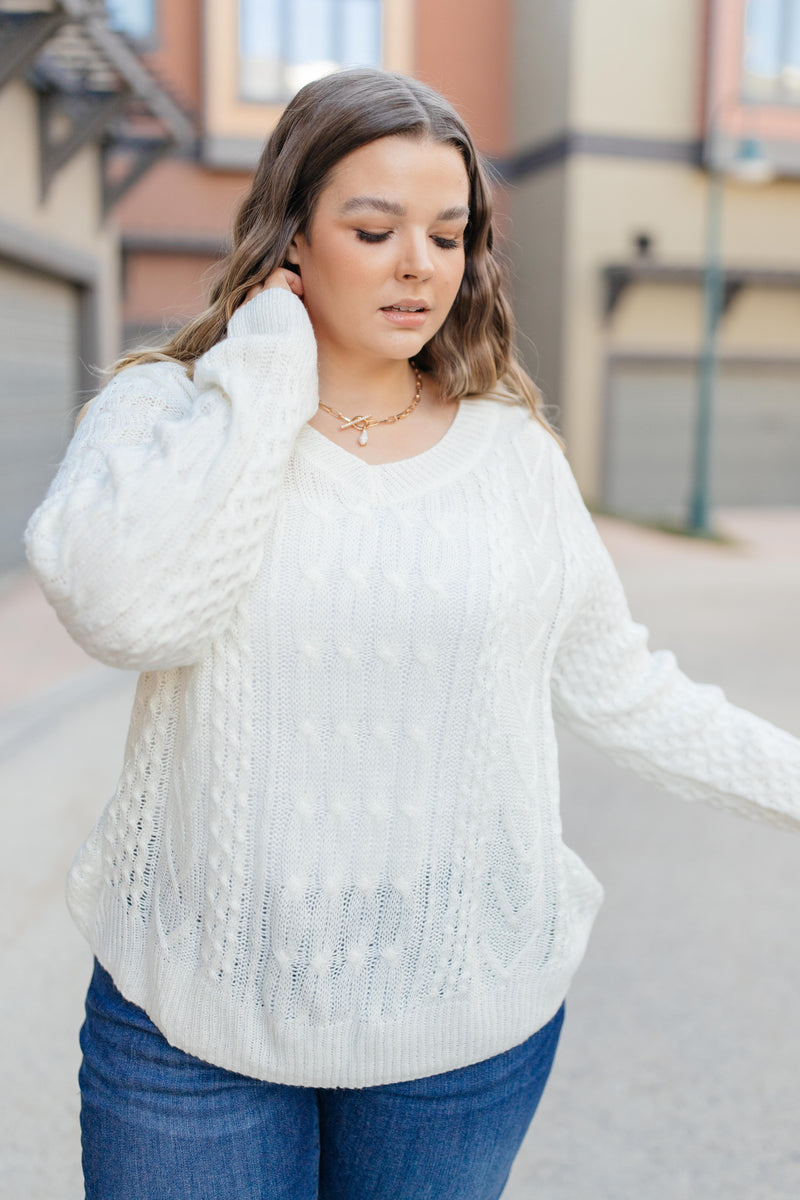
pixel 381 204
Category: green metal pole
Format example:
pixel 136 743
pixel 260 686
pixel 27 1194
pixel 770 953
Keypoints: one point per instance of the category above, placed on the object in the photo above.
pixel 700 503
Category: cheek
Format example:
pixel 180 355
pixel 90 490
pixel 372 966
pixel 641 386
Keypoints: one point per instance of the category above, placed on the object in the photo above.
pixel 346 274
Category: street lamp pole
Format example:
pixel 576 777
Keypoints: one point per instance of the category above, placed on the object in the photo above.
pixel 713 284
pixel 749 165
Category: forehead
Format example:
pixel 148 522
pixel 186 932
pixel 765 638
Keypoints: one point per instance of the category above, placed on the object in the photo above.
pixel 401 169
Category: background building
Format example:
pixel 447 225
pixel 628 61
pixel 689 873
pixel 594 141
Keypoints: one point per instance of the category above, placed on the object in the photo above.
pixel 613 124
pixel 234 63
pixel 618 109
pixel 80 119
pixel 604 118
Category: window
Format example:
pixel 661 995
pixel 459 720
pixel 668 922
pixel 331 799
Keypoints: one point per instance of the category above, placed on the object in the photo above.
pixel 772 51
pixel 134 17
pixel 284 44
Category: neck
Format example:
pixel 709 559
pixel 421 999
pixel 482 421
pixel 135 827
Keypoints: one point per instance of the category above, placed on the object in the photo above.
pixel 380 388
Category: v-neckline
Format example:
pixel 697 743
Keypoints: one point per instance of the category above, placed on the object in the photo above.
pixel 460 445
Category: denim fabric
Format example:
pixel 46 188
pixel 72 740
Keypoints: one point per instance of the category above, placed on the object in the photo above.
pixel 159 1124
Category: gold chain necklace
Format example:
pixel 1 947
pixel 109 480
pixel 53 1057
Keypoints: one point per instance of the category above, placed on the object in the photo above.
pixel 365 421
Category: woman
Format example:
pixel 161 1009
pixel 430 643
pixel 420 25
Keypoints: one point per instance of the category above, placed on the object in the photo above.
pixel 333 917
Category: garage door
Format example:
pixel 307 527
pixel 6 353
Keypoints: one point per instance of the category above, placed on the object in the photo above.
pixel 38 370
pixel 649 436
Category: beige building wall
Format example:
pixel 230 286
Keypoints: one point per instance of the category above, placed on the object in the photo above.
pixel 610 200
pixel 635 66
pixel 69 219
pixel 634 71
pixel 59 308
pixel 621 83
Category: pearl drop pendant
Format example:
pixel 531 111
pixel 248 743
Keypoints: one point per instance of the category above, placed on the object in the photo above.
pixel 362 440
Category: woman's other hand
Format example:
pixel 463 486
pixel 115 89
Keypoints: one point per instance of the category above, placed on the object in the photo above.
pixel 281 277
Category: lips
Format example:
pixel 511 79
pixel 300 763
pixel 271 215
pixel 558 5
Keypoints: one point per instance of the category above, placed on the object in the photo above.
pixel 414 306
pixel 406 313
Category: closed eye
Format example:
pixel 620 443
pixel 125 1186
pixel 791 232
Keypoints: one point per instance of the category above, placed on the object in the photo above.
pixel 364 236
pixel 442 242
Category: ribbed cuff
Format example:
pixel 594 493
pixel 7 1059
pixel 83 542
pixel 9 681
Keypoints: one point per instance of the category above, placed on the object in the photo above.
pixel 275 310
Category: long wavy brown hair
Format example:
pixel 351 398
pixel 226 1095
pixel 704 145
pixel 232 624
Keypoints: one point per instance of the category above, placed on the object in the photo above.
pixel 473 352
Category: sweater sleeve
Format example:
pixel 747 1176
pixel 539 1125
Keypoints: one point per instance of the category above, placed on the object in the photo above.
pixel 155 522
pixel 638 706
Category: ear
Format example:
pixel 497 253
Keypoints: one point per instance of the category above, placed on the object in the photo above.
pixel 292 255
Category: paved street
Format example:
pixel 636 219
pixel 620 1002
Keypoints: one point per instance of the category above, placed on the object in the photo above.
pixel 678 1076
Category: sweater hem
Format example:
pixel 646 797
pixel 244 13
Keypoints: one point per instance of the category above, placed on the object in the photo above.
pixel 200 1017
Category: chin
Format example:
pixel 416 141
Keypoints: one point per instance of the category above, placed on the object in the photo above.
pixel 407 346
pixel 396 351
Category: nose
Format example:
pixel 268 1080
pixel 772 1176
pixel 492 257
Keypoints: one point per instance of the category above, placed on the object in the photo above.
pixel 414 260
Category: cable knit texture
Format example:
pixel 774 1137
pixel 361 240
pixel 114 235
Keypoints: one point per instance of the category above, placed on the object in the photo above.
pixel 334 854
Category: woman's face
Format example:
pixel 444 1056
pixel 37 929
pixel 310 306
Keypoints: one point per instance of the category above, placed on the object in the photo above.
pixel 387 234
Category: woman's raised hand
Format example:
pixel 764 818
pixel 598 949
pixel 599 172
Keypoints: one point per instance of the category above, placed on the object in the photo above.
pixel 281 277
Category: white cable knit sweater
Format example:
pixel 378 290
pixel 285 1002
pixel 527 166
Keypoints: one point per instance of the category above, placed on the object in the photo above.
pixel 334 855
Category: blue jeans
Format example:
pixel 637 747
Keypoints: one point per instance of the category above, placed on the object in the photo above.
pixel 159 1124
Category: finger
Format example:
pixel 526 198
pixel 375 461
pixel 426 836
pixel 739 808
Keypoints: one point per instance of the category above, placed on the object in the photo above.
pixel 295 283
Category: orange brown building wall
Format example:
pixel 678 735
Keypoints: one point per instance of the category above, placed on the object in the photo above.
pixel 183 197
pixel 165 287
pixel 176 55
pixel 463 49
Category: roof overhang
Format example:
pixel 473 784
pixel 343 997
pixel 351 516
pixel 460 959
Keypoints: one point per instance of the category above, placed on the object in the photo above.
pixel 618 277
pixel 92 87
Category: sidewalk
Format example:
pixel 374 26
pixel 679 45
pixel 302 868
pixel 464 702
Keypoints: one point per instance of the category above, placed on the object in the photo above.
pixel 63 718
pixel 42 670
